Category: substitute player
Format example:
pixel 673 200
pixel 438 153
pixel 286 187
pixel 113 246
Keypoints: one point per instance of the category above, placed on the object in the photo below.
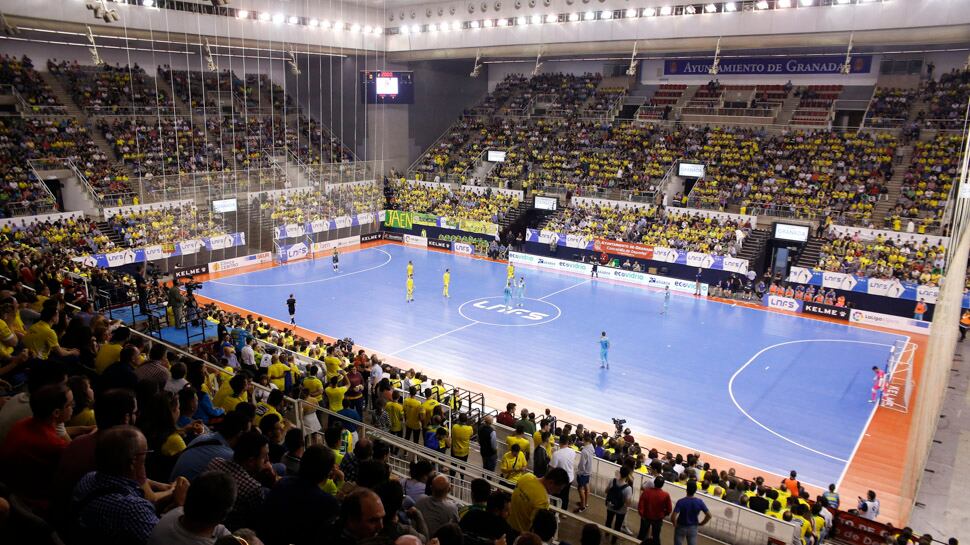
pixel 520 292
pixel 335 259
pixel 604 351
pixel 291 307
pixel 878 383
pixel 410 286
pixel 446 281
pixel 508 293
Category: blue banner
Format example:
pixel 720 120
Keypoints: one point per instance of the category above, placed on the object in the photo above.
pixel 886 287
pixel 297 230
pixel 160 251
pixel 826 64
pixel 665 255
pixel 292 252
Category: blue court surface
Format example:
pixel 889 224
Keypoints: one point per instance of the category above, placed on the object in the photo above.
pixel 768 390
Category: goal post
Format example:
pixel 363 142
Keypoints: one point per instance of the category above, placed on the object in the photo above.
pixel 899 385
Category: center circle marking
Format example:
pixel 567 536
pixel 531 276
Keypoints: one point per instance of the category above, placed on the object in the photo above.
pixel 492 311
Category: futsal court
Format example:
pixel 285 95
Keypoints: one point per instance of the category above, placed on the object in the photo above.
pixel 768 390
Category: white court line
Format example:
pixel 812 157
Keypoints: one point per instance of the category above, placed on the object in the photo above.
pixel 329 278
pixel 773 432
pixel 406 348
pixel 845 469
pixel 565 289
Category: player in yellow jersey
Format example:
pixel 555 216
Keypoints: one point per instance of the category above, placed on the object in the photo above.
pixel 510 270
pixel 410 268
pixel 446 281
pixel 410 285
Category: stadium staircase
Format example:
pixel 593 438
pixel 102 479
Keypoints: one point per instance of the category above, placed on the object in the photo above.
pixel 513 215
pixel 788 108
pixel 62 96
pixel 181 108
pixel 808 257
pixel 109 232
pixel 882 208
pixel 754 245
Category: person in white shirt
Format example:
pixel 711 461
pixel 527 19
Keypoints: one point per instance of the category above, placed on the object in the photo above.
pixel 177 380
pixel 207 503
pixel 248 355
pixel 565 458
pixel 869 507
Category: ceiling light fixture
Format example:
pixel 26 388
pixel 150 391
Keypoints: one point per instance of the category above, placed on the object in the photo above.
pixel 762 4
pixel 690 10
pixel 631 13
pixel 242 14
pixel 730 7
pixel 710 8
pixel 264 17
pixel 278 18
pixel 589 16
pixel 551 18
pixel 487 23
pixel 783 4
pixel 293 20
pixel 606 15
pixel 649 12
pixel 573 17
pixel 666 10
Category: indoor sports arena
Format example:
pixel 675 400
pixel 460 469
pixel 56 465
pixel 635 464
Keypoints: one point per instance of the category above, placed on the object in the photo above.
pixel 592 271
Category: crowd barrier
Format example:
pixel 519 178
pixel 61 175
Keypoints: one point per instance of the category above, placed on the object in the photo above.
pixel 851 315
pixel 884 287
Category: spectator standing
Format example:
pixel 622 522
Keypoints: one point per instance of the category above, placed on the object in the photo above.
pixel 654 506
pixel 488 444
pixel 619 494
pixel 565 459
pixel 532 494
pixel 685 517
pixel 584 471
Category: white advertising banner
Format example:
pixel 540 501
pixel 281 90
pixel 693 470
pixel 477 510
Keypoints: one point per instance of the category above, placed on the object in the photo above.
pixel 643 279
pixel 239 262
pixel 415 240
pixel 462 248
pixel 898 323
pixel 328 245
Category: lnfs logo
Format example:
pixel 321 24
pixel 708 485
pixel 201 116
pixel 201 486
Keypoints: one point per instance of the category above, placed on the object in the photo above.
pixel 510 311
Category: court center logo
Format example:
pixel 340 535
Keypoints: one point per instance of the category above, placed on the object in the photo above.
pixel 494 311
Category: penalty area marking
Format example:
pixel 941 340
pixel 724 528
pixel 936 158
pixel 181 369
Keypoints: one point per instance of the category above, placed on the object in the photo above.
pixel 318 280
pixel 773 432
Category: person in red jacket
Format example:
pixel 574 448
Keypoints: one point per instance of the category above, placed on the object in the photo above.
pixel 654 506
pixel 32 449
pixel 507 418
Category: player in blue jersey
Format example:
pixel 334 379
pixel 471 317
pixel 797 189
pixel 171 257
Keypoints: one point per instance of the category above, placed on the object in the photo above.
pixel 335 260
pixel 508 293
pixel 604 351
pixel 520 292
pixel 666 299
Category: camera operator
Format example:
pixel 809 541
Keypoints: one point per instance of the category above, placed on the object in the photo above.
pixel 176 301
pixel 141 287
